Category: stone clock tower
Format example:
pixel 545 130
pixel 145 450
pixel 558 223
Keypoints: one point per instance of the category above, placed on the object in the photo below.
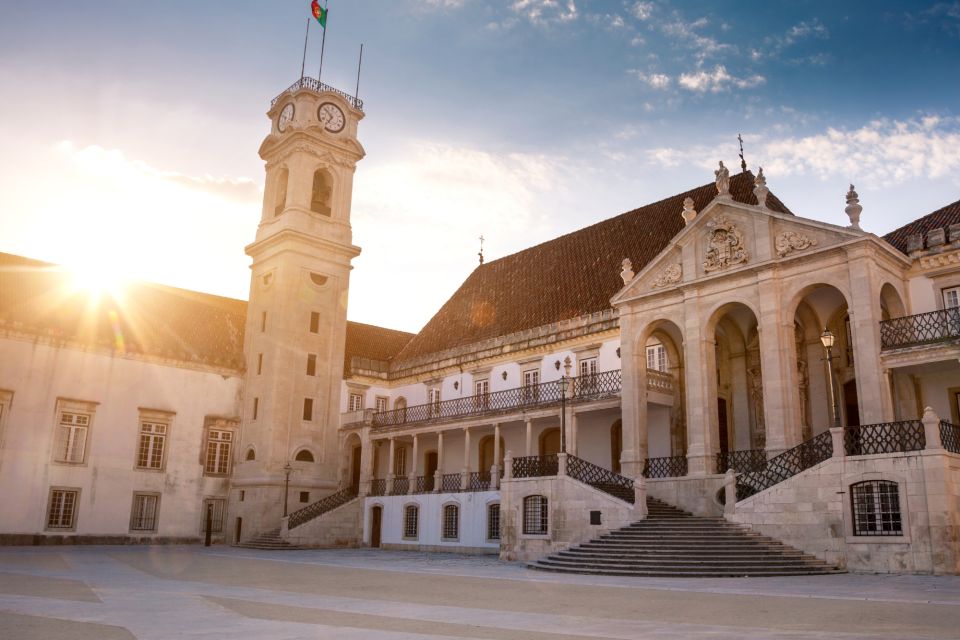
pixel 297 315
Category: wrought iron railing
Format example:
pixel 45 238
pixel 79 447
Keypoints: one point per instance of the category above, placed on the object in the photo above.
pixel 741 461
pixel 321 507
pixel 599 478
pixel 671 467
pixel 315 85
pixel 606 384
pixel 536 466
pixel 659 381
pixel 950 436
pixel 401 485
pixel 888 437
pixel 786 465
pixel 478 481
pixel 378 487
pixel 920 329
pixel 450 483
pixel 424 484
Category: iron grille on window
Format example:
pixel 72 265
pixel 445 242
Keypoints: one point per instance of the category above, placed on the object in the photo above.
pixel 493 521
pixel 876 508
pixel 411 519
pixel 451 522
pixel 219 509
pixel 535 515
pixel 143 516
pixel 62 512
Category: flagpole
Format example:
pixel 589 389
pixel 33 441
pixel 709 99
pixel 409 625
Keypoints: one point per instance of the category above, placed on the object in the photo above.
pixel 303 65
pixel 323 42
pixel 356 94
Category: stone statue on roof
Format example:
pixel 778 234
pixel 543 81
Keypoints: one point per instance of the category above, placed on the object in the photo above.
pixel 723 180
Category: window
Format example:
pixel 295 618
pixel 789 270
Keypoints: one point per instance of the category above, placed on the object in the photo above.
pixel 451 522
pixel 143 515
pixel 411 521
pixel 876 508
pixel 62 513
pixel 588 374
pixel 400 406
pixel 243 494
pixel 311 364
pixel 433 398
pixel 263 322
pixel 400 461
pixel 493 521
pixel 256 408
pixel 218 451
pixel 314 322
pixel 153 439
pixel 381 403
pixel 259 363
pixel 531 388
pixel 308 409
pixel 218 508
pixel 71 443
pixel 535 515
pixel 304 455
pixel 304 496
pixel 657 358
pixel 281 200
pixel 356 402
pixel 951 298
pixel 320 194
pixel 251 455
pixel 482 389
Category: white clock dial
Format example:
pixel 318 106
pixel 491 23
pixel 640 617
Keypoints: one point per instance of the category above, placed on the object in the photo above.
pixel 331 117
pixel 286 115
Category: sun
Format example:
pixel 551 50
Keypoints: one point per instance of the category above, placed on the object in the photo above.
pixel 97 277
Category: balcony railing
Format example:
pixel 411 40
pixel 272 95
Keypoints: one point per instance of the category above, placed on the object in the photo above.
pixel 950 436
pixel 536 466
pixel 659 381
pixel 888 437
pixel 924 328
pixel 424 484
pixel 450 483
pixel 672 467
pixel 378 487
pixel 742 461
pixel 315 85
pixel 401 485
pixel 478 481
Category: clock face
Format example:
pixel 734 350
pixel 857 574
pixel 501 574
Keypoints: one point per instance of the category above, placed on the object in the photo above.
pixel 331 117
pixel 286 115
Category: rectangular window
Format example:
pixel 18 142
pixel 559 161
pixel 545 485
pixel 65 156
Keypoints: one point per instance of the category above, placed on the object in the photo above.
pixel 143 516
pixel 433 398
pixel 217 508
pixel 451 522
pixel 308 409
pixel 256 408
pixel 657 358
pixel 588 375
pixel 153 441
pixel 482 391
pixel 400 461
pixel 259 363
pixel 71 442
pixel 356 402
pixel 951 298
pixel 263 322
pixel 218 451
pixel 381 403
pixel 62 513
pixel 311 365
pixel 531 385
pixel 314 322
pixel 304 496
pixel 493 522
pixel 411 521
pixel 535 515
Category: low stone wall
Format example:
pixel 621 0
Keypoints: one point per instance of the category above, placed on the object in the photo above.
pixel 341 527
pixel 38 539
pixel 812 512
pixel 696 494
pixel 570 503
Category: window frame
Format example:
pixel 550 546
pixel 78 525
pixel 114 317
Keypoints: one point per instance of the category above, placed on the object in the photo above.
pixel 399 461
pixel 434 398
pixel 530 525
pixel 307 415
pixel 219 443
pixel 155 518
pixel 657 356
pixel 355 401
pixel 481 389
pixel 381 404
pixel 75 509
pixel 405 524
pixel 312 364
pixel 154 419
pixel 531 384
pixel 499 530
pixel 871 513
pixel 944 292
pixel 314 322
pixel 6 402
pixel 445 521
pixel 79 408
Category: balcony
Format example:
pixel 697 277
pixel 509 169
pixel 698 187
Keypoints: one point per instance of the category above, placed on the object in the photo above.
pixel 935 327
pixel 318 87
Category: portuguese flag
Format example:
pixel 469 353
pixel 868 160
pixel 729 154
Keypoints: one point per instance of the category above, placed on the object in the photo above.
pixel 319 13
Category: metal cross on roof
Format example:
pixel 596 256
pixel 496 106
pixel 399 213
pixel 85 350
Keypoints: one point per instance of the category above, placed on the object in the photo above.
pixel 743 163
pixel 481 249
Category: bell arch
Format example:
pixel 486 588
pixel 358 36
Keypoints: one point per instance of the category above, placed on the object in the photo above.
pixel 321 192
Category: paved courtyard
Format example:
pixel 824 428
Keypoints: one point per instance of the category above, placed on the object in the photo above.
pixel 108 593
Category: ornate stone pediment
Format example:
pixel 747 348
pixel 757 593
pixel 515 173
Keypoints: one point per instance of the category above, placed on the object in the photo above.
pixel 789 241
pixel 724 245
pixel 671 274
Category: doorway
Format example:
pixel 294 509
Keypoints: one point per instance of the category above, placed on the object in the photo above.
pixel 550 442
pixel 376 522
pixel 355 469
pixel 239 526
pixel 722 424
pixel 851 408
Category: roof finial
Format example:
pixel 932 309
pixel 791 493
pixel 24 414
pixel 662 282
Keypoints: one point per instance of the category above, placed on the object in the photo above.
pixel 760 189
pixel 626 271
pixel 743 163
pixel 853 208
pixel 481 249
pixel 689 213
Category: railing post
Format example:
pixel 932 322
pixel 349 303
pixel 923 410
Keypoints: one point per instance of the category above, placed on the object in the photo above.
pixel 839 446
pixel 561 464
pixel 464 479
pixel 640 497
pixel 494 477
pixel 730 492
pixel 437 481
pixel 931 429
pixel 388 486
pixel 508 466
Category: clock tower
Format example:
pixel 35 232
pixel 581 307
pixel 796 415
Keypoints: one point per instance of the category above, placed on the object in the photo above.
pixel 297 314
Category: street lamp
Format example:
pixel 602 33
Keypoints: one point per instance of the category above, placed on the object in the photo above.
pixel 286 486
pixel 564 384
pixel 827 339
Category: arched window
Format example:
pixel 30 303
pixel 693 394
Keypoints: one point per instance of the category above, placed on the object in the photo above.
pixel 304 455
pixel 322 190
pixel 876 508
pixel 535 515
pixel 411 521
pixel 251 455
pixel 493 521
pixel 451 522
pixel 281 196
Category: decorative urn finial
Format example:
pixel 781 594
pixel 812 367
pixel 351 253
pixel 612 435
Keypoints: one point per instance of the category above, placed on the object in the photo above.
pixel 853 208
pixel 760 189
pixel 723 181
pixel 627 271
pixel 689 213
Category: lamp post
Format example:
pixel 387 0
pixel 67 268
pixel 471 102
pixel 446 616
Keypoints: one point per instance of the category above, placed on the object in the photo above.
pixel 286 486
pixel 827 339
pixel 564 383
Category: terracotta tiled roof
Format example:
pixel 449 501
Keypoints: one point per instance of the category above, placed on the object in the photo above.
pixel 939 219
pixel 567 277
pixel 151 319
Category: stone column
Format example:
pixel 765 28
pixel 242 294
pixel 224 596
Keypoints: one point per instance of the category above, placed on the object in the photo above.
pixel 633 397
pixel 865 325
pixel 561 464
pixel 730 493
pixel 572 449
pixel 778 368
pixel 702 417
pixel 390 467
pixel 495 469
pixel 412 476
pixel 366 461
pixel 508 465
pixel 465 473
pixel 931 429
pixel 640 497
pixel 438 476
pixel 529 424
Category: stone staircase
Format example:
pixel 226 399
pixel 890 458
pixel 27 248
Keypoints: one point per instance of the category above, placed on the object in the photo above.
pixel 270 540
pixel 673 543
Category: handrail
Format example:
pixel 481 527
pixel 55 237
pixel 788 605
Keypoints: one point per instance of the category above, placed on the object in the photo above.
pixel 920 329
pixel 950 436
pixel 886 437
pixel 321 507
pixel 786 465
pixel 742 461
pixel 599 478
pixel 313 84
pixel 536 466
pixel 669 467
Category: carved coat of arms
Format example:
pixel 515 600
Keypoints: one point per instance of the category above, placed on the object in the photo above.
pixel 724 246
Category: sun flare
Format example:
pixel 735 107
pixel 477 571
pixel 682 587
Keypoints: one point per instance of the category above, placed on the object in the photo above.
pixel 98 278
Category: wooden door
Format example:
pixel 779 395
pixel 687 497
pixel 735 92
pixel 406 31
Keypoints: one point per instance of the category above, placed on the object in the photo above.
pixel 722 424
pixel 376 521
pixel 851 408
pixel 355 468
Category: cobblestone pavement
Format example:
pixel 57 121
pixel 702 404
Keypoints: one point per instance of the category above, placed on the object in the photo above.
pixel 192 592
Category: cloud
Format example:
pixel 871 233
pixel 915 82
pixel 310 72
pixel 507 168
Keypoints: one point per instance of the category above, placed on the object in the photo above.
pixel 442 4
pixel 685 35
pixel 880 152
pixel 642 10
pixel 717 80
pixel 945 15
pixel 655 80
pixel 546 12
pixel 774 46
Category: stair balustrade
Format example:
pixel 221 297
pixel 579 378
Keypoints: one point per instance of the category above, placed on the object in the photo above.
pixel 742 461
pixel 536 466
pixel 786 465
pixel 669 467
pixel 950 436
pixel 601 479
pixel 321 507
pixel 887 437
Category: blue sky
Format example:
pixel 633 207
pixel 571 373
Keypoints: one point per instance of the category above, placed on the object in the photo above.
pixel 131 129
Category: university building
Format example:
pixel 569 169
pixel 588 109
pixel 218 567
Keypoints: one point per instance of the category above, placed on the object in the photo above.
pixel 705 385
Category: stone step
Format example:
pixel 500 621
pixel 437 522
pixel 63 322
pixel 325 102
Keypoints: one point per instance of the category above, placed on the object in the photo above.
pixel 681 562
pixel 669 573
pixel 579 552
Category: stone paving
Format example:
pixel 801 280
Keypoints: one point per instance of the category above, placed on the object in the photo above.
pixel 192 592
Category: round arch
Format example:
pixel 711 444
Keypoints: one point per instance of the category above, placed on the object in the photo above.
pixel 304 454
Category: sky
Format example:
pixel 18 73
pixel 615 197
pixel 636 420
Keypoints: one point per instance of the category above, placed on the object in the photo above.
pixel 130 129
